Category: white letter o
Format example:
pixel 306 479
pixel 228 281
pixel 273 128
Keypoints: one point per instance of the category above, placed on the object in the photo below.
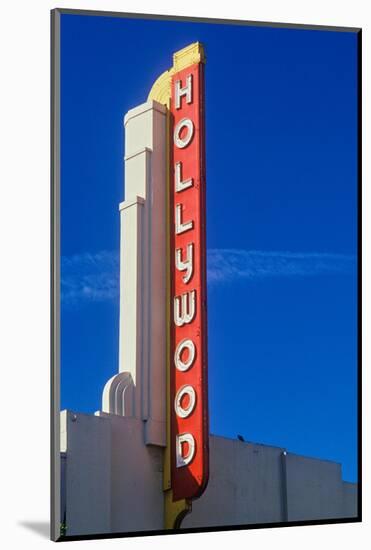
pixel 184 123
pixel 180 411
pixel 184 365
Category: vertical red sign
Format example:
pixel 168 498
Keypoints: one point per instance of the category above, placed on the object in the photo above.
pixel 188 378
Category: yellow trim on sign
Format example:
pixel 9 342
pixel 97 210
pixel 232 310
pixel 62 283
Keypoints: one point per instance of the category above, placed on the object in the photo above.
pixel 190 55
pixel 174 511
pixel 161 89
pixel 167 462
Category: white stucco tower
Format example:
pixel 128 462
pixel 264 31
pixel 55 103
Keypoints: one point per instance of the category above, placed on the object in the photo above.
pixel 138 390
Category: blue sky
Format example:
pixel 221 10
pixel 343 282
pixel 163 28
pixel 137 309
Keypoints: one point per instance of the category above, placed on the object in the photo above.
pixel 281 152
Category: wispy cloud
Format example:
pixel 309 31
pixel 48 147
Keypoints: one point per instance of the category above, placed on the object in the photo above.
pixel 94 277
pixel 230 264
pixel 90 277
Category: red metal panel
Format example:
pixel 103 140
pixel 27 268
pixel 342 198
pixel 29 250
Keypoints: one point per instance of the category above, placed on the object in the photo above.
pixel 188 205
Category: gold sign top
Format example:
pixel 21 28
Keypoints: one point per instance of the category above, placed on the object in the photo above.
pixel 191 54
pixel 194 53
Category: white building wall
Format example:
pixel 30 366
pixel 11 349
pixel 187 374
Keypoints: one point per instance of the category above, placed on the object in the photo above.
pixel 113 481
pixel 349 499
pixel 321 482
pixel 245 485
pixel 86 440
pixel 136 477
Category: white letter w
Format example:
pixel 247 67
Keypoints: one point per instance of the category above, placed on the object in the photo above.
pixel 184 308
